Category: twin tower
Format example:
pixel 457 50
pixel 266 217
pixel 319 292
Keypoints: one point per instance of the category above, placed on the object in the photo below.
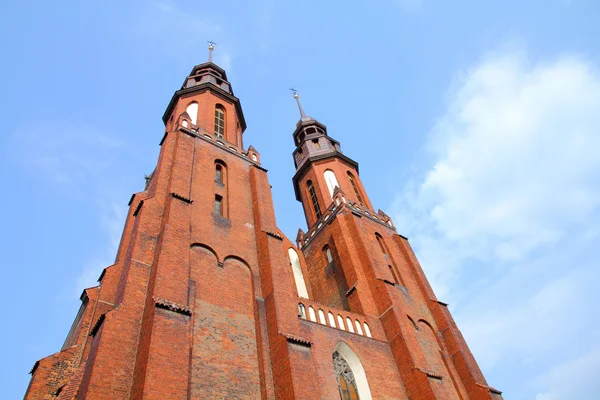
pixel 208 299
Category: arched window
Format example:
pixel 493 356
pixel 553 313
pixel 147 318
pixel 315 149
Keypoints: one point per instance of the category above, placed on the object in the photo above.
pixel 219 173
pixel 313 199
pixel 192 111
pixel 298 276
pixel 356 191
pixel 331 181
pixel 328 255
pixel 350 374
pixel 219 121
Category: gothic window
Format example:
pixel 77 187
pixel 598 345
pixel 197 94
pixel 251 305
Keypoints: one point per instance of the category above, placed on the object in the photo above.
pixel 297 271
pixel 345 378
pixel 313 199
pixel 192 111
pixel 358 196
pixel 219 205
pixel 331 181
pixel 219 121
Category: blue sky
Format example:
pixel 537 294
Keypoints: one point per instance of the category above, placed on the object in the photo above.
pixel 476 125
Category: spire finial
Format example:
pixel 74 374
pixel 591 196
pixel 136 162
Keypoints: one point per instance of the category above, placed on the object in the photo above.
pixel 295 92
pixel 211 47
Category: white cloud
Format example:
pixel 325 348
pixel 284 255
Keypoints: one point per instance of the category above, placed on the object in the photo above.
pixel 504 217
pixel 575 379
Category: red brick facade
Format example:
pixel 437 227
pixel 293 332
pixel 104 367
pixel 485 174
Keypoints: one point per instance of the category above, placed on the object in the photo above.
pixel 204 301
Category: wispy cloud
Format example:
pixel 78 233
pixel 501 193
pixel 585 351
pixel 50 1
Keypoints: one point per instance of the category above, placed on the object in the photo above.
pixel 504 216
pixel 63 155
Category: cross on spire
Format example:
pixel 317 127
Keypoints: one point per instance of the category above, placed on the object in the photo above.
pixel 295 92
pixel 211 47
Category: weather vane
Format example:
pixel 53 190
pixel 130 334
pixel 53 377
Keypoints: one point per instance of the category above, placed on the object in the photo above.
pixel 211 47
pixel 295 92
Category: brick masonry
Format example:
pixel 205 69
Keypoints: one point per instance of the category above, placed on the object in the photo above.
pixel 202 303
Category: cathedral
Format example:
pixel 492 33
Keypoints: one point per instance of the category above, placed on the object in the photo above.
pixel 208 299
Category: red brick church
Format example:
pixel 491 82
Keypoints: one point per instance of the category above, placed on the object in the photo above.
pixel 207 298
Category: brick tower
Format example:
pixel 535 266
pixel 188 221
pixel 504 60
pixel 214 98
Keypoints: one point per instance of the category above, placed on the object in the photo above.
pixel 207 299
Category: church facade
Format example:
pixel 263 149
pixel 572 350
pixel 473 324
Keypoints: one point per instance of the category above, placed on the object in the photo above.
pixel 208 299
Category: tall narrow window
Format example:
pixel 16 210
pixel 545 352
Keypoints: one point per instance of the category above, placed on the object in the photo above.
pixel 219 174
pixel 297 271
pixel 328 255
pixel 219 122
pixel 219 205
pixel 331 181
pixel 358 196
pixel 313 199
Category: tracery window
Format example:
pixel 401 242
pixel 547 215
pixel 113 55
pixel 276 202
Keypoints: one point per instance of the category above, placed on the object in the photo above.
pixel 345 378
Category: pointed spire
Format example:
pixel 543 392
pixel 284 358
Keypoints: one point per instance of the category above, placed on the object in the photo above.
pixel 302 115
pixel 211 47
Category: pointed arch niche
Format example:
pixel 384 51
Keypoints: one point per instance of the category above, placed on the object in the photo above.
pixel 298 276
pixel 350 374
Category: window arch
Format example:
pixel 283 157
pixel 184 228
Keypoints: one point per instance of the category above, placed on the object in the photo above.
pixel 298 276
pixel 350 374
pixel 356 191
pixel 192 110
pixel 331 181
pixel 313 199
pixel 220 121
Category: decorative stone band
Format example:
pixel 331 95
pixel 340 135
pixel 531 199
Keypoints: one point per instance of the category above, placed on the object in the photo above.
pixel 98 324
pixel 274 234
pixel 138 208
pixel 489 388
pixel 168 305
pixel 429 373
pixel 180 197
pixel 296 339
